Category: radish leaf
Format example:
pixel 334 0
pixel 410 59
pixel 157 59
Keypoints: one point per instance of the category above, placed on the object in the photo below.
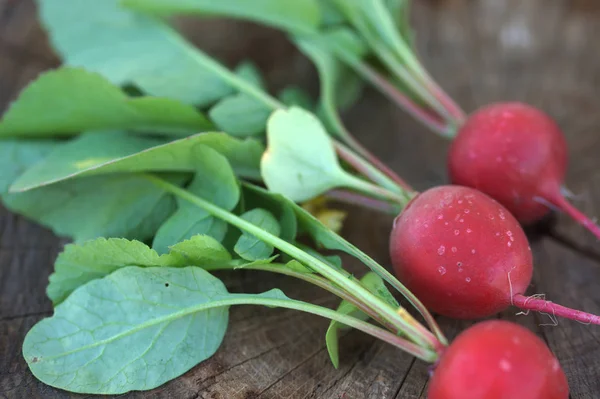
pixel 251 248
pixel 68 101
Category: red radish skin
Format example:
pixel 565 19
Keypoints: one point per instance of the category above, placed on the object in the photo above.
pixel 517 155
pixel 465 256
pixel 498 360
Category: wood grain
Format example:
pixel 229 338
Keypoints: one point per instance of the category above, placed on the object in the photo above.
pixel 543 52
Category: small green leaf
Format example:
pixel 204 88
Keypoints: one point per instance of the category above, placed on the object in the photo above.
pixel 78 264
pixel 297 267
pixel 298 15
pixel 257 197
pixel 295 96
pixel 16 156
pixel 214 181
pixel 68 101
pixel 240 115
pixel 375 285
pixel 250 247
pixel 114 152
pixel 135 329
pixel 128 48
pixel 123 205
pixel 197 251
pixel 300 161
pixel 251 74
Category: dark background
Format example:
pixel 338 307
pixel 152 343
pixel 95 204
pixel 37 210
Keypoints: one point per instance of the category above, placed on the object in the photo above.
pixel 544 52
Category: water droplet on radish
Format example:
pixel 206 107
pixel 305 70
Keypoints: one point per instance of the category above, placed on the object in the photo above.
pixel 440 217
pixel 454 249
pixel 456 232
pixel 473 251
pixel 501 214
pixel 497 234
pixel 469 231
pixel 468 279
pixel 441 250
pixel 467 211
pixel 509 244
pixel 442 270
pixel 459 264
pixel 460 201
pixel 491 217
pixel 426 225
pixel 445 223
pixel 505 365
pixel 462 220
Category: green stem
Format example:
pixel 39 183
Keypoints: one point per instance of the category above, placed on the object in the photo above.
pixel 343 280
pixel 373 190
pixel 309 278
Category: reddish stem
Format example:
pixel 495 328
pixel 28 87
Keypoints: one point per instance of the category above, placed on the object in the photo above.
pixel 377 163
pixel 361 200
pixel 423 115
pixel 541 305
pixel 576 214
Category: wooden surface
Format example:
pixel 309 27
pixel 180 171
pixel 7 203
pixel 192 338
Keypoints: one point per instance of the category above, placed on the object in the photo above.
pixel 543 52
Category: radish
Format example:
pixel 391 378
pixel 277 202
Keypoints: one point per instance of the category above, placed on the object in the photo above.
pixel 465 256
pixel 498 360
pixel 517 155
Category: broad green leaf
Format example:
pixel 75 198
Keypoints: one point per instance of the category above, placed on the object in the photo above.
pixel 295 96
pixel 375 285
pixel 114 152
pixel 300 161
pixel 298 15
pixel 122 205
pixel 68 101
pixel 215 181
pixel 250 247
pixel 257 197
pixel 16 156
pixel 78 264
pixel 197 251
pixel 129 48
pixel 240 115
pixel 135 329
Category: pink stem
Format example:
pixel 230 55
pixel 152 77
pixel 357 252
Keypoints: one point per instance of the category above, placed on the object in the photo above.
pixel 541 305
pixel 576 214
pixel 424 116
pixel 378 164
pixel 358 199
pixel 445 99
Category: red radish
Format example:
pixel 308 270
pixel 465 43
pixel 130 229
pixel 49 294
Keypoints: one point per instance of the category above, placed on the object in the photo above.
pixel 498 360
pixel 517 155
pixel 465 256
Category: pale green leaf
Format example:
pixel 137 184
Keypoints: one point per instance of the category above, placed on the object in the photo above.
pixel 253 248
pixel 122 205
pixel 257 197
pixel 240 115
pixel 68 101
pixel 251 74
pixel 295 96
pixel 127 47
pixel 197 251
pixel 112 152
pixel 78 264
pixel 300 161
pixel 16 156
pixel 298 15
pixel 135 329
pixel 214 181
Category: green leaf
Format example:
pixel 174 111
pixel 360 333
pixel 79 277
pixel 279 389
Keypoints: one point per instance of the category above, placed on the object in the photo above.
pixel 215 181
pixel 300 161
pixel 122 205
pixel 251 74
pixel 78 264
pixel 253 248
pixel 295 96
pixel 68 101
pixel 375 285
pixel 114 152
pixel 200 250
pixel 298 15
pixel 132 330
pixel 400 13
pixel 257 197
pixel 128 48
pixel 240 115
pixel 16 156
